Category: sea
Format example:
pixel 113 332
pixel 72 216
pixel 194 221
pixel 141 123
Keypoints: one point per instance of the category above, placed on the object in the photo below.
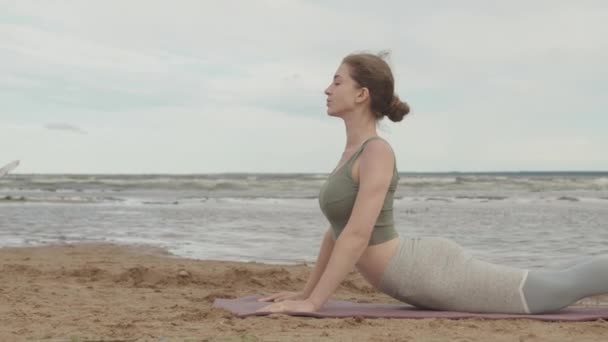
pixel 522 219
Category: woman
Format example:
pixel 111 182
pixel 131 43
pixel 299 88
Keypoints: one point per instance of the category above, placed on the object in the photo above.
pixel 433 273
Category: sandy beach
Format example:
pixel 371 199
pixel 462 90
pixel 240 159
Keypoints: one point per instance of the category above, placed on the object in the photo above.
pixel 93 292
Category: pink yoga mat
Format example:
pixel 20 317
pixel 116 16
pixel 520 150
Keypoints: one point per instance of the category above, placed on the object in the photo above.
pixel 246 306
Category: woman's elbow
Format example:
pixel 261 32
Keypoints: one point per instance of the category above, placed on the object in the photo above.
pixel 357 240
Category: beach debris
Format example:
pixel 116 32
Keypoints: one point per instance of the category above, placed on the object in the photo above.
pixel 8 167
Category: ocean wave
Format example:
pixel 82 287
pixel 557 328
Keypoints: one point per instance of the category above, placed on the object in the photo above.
pixel 601 182
pixel 306 184
pixel 568 198
pixel 59 199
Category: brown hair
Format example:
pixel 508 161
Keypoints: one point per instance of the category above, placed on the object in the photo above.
pixel 372 72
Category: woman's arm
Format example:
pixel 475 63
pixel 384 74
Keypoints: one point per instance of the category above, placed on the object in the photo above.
pixel 327 247
pixel 375 174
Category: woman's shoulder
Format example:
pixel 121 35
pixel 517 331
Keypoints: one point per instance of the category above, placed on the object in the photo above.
pixel 379 144
pixel 378 149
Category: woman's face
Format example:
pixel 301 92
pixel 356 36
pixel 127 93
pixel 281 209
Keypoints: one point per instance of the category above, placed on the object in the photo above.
pixel 342 93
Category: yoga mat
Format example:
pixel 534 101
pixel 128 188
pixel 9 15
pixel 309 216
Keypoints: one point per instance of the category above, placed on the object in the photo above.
pixel 246 306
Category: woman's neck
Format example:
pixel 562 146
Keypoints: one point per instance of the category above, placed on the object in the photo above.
pixel 359 127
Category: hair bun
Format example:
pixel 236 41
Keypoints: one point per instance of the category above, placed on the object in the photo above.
pixel 373 72
pixel 397 109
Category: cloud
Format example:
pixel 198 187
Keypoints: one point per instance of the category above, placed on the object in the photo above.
pixel 490 85
pixel 64 127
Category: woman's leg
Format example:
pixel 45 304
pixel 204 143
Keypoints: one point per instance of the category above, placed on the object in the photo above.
pixel 546 290
pixel 436 273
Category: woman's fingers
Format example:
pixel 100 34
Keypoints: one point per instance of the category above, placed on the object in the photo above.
pixel 272 297
pixel 279 297
pixel 266 299
pixel 272 308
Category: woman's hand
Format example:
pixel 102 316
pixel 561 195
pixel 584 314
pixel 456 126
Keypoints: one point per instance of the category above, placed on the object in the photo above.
pixel 289 306
pixel 281 296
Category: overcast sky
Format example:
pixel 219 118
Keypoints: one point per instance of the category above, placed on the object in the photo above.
pixel 237 86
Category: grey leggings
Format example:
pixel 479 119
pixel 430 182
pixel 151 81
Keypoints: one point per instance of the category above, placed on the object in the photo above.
pixel 436 273
pixel 546 290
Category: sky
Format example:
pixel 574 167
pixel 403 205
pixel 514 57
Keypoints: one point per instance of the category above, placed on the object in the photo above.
pixel 237 86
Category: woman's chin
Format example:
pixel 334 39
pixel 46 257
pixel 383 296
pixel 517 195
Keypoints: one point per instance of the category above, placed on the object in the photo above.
pixel 331 113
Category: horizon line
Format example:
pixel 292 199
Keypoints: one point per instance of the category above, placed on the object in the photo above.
pixel 306 173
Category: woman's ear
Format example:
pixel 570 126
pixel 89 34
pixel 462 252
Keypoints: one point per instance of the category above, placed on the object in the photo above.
pixel 362 95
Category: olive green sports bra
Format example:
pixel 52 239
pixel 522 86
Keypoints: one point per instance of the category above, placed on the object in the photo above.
pixel 337 199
